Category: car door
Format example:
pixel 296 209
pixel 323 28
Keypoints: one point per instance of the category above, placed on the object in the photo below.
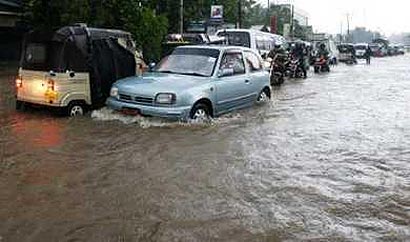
pixel 232 83
pixel 257 75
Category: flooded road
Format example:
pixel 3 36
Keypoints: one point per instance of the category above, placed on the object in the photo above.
pixel 326 160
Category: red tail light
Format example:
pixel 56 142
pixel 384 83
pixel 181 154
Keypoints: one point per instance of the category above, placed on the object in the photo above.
pixel 19 82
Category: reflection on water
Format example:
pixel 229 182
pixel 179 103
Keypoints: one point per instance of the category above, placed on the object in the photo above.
pixel 326 160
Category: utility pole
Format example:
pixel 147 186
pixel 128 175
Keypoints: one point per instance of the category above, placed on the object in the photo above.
pixel 239 24
pixel 181 17
pixel 292 16
pixel 348 27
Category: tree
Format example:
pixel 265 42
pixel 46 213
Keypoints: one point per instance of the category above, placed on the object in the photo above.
pixel 137 17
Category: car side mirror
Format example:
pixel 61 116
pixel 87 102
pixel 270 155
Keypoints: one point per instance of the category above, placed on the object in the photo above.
pixel 151 66
pixel 72 74
pixel 225 72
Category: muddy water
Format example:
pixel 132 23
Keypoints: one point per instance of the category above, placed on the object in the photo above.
pixel 326 160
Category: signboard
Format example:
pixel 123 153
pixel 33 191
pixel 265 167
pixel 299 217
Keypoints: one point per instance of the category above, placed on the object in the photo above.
pixel 217 12
pixel 286 30
pixel 273 25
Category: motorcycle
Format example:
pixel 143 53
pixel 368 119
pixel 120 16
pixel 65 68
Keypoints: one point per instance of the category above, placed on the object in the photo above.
pixel 321 64
pixel 277 72
pixel 294 69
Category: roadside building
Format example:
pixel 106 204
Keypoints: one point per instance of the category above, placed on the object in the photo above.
pixel 10 30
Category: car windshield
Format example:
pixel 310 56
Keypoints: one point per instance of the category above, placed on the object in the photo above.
pixel 360 47
pixel 190 61
pixel 345 48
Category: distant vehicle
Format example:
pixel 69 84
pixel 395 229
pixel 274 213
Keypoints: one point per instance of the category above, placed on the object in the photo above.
pixel 73 68
pixel 347 53
pixel 401 50
pixel 361 50
pixel 331 47
pixel 377 50
pixel 215 80
pixel 260 41
pixel 174 40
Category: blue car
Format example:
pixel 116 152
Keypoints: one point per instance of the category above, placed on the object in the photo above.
pixel 195 82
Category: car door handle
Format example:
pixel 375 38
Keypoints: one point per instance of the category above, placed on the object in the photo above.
pixel 247 81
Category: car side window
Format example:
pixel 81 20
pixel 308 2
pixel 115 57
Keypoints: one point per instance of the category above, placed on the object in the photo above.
pixel 253 61
pixel 233 61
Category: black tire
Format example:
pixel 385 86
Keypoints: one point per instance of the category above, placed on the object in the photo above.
pixel 317 69
pixel 263 97
pixel 75 109
pixel 196 113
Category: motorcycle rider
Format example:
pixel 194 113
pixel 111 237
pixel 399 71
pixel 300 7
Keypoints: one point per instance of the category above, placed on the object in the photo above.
pixel 278 64
pixel 276 52
pixel 278 55
pixel 300 53
pixel 323 51
pixel 323 57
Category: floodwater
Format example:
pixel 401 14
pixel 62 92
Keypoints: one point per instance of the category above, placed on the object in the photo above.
pixel 328 159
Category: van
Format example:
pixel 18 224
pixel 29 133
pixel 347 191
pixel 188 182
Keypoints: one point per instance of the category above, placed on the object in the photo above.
pixel 257 40
pixel 72 69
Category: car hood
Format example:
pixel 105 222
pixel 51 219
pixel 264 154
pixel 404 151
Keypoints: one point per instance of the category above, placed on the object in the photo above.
pixel 152 83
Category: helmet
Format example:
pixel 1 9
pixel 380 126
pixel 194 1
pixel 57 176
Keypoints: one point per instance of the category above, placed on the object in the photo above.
pixel 322 46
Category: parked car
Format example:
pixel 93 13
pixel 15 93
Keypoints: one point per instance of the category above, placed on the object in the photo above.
pixel 73 68
pixel 195 82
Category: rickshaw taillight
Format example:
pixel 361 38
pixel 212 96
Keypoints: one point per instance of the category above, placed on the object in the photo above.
pixel 50 85
pixel 19 82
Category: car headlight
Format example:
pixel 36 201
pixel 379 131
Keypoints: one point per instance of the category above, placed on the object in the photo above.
pixel 165 98
pixel 114 92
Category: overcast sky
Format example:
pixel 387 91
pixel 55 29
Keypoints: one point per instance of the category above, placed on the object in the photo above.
pixel 388 17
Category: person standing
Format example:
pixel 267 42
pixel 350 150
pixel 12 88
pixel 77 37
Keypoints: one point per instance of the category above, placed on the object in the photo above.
pixel 368 55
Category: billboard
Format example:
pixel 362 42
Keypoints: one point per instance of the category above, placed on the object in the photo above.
pixel 217 12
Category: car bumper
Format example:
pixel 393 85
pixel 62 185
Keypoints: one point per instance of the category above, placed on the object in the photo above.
pixel 155 111
pixel 38 102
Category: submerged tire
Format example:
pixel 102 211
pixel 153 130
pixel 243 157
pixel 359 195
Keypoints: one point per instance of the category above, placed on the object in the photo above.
pixel 75 109
pixel 200 111
pixel 263 97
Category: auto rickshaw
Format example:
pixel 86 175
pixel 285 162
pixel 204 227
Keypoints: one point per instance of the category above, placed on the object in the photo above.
pixel 72 69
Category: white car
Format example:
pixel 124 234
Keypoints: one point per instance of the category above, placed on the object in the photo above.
pixel 361 50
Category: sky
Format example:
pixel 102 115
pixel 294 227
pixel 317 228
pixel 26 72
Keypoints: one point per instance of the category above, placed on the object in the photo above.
pixel 387 17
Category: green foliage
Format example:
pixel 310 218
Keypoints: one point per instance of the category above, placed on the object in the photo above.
pixel 147 27
pixel 148 20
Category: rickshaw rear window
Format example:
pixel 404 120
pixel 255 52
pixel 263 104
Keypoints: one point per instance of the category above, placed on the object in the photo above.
pixel 44 56
pixel 35 53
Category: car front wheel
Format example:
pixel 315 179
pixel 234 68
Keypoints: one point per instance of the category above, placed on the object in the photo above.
pixel 263 97
pixel 200 112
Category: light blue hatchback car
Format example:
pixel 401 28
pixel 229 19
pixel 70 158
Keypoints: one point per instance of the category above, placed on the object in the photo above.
pixel 195 82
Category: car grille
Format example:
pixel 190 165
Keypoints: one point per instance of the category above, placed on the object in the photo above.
pixel 136 99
